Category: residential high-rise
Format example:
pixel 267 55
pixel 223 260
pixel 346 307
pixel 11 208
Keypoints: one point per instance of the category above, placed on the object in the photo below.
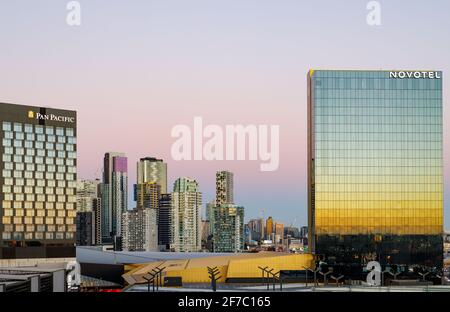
pixel 164 221
pixel 115 197
pixel 186 216
pixel 37 184
pixel 88 212
pixel 269 227
pixel 87 191
pixel 228 228
pixel 210 214
pixel 139 231
pixel 85 222
pixel 150 169
pixel 140 226
pixel 375 166
pixel 224 188
pixel 148 195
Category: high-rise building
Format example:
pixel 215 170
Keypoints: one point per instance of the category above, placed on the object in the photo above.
pixel 114 197
pixel 269 227
pixel 304 231
pixel 279 232
pixel 87 191
pixel 164 221
pixel 85 222
pixel 375 166
pixel 88 212
pixel 140 226
pixel 228 228
pixel 151 169
pixel 224 188
pixel 148 195
pixel 139 230
pixel 37 183
pixel 210 214
pixel 257 229
pixel 186 216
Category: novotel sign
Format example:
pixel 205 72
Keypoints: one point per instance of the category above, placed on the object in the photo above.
pixel 415 74
pixel 50 117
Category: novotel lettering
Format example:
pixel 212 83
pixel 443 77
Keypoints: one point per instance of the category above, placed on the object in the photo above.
pixel 53 117
pixel 415 74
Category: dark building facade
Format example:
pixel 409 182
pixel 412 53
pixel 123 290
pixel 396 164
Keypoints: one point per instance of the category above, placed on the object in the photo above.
pixel 37 182
pixel 85 228
pixel 375 167
pixel 164 221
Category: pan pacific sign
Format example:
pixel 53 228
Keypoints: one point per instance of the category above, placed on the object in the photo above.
pixel 50 117
pixel 415 74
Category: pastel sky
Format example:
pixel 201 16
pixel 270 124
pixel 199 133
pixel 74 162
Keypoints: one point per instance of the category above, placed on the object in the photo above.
pixel 134 69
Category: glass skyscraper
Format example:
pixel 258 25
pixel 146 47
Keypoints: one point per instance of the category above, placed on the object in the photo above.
pixel 37 182
pixel 375 174
pixel 115 197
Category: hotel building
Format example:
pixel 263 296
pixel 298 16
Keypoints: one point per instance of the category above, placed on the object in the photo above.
pixel 375 175
pixel 37 183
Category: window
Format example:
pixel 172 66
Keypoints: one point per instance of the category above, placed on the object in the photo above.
pixel 39 129
pixel 28 128
pixel 59 131
pixel 6 126
pixel 61 139
pixel 20 136
pixel 51 138
pixel 69 132
pixel 49 130
pixel 17 127
pixel 9 150
pixel 9 135
pixel 30 152
pixel 59 147
pixel 7 142
pixel 31 137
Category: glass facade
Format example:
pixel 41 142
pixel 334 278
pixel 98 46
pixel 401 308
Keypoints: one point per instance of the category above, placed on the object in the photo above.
pixel 375 167
pixel 37 183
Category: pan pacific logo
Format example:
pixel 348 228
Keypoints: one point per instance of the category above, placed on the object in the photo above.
pixel 50 117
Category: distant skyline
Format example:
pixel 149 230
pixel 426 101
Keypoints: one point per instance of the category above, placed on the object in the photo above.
pixel 133 70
